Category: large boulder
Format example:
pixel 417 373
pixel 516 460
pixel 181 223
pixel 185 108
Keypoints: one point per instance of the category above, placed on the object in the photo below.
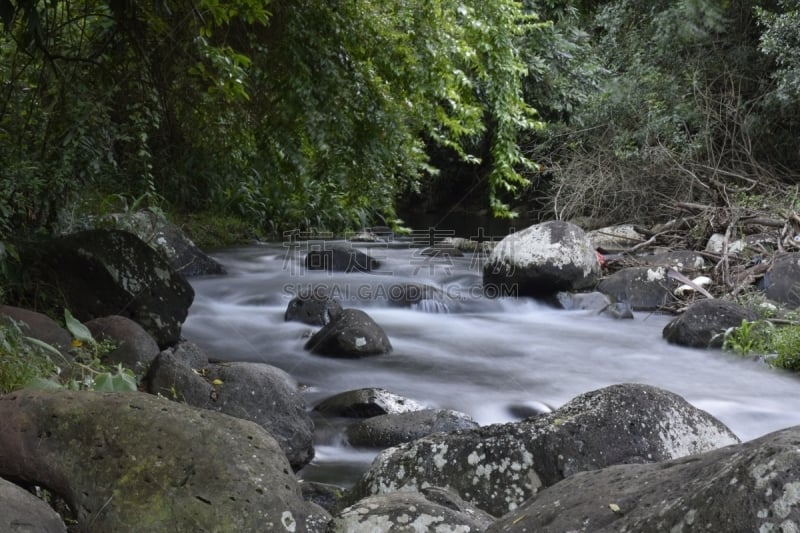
pixel 542 260
pixel 336 257
pixel 615 239
pixel 253 391
pixel 110 272
pixel 130 462
pixel 643 288
pixel 38 326
pixel 135 348
pixel 354 334
pixel 703 324
pixel 750 487
pixel 498 467
pixel 411 512
pixel 782 280
pixel 23 512
pixel 390 430
pixel 168 240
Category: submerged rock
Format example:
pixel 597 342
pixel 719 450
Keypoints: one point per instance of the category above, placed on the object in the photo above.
pixel 335 257
pixel 313 309
pixel 498 467
pixel 392 429
pixel 131 462
pixel 754 486
pixel 367 402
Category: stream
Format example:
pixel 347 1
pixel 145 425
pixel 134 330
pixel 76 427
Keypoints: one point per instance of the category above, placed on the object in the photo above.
pixel 483 357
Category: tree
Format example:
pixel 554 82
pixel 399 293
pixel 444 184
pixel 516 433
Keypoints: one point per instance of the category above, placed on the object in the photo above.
pixel 305 114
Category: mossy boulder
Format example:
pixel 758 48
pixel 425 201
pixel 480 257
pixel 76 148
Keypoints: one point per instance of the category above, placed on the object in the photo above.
pixel 99 273
pixel 131 462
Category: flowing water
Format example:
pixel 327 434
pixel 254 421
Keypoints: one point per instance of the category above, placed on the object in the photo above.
pixel 483 357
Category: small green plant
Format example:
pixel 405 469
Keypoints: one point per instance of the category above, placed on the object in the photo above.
pixel 779 344
pixel 21 361
pixel 29 362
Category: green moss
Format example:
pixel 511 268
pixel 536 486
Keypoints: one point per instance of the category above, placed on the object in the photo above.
pixel 778 344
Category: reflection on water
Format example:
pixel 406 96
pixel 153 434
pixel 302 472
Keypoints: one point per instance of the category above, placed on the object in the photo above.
pixel 482 358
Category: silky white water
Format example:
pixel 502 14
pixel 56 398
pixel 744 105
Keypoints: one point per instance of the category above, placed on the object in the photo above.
pixel 481 358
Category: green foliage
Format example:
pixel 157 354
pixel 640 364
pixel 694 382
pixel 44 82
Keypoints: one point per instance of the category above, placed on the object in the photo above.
pixel 20 360
pixel 779 344
pixel 29 362
pixel 781 39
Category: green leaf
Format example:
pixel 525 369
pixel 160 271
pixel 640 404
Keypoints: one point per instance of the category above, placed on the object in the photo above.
pixel 40 383
pixel 45 346
pixel 77 329
pixel 122 381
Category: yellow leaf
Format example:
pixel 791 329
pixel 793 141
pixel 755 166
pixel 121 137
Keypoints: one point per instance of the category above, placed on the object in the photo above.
pixel 217 382
pixel 614 507
pixel 77 343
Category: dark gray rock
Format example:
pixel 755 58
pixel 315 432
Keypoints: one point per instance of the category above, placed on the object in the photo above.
pixel 410 512
pixel 542 260
pixel 335 257
pixel 131 462
pixel 390 430
pixel 313 309
pixel 136 348
pixel 643 288
pixel 109 272
pixel 169 241
pixel 498 467
pixel 23 512
pixel 365 403
pixel 782 280
pixel 704 322
pixel 329 497
pixel 355 334
pixel 252 391
pixel 754 486
pixel 38 326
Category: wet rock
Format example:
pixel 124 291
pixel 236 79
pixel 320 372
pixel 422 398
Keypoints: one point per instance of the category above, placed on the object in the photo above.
pixel 704 322
pixel 498 467
pixel 327 496
pixel 135 349
pixel 389 430
pixel 643 288
pixel 754 486
pixel 408 512
pixel 335 257
pixel 130 462
pixel 528 409
pixel 615 239
pixel 365 403
pixel 782 280
pixel 24 512
pixel 169 241
pixel 594 301
pixel 469 245
pixel 542 260
pixel 313 309
pixel 39 326
pixel 110 272
pixel 252 391
pixel 419 296
pixel 355 334
pixel 441 251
